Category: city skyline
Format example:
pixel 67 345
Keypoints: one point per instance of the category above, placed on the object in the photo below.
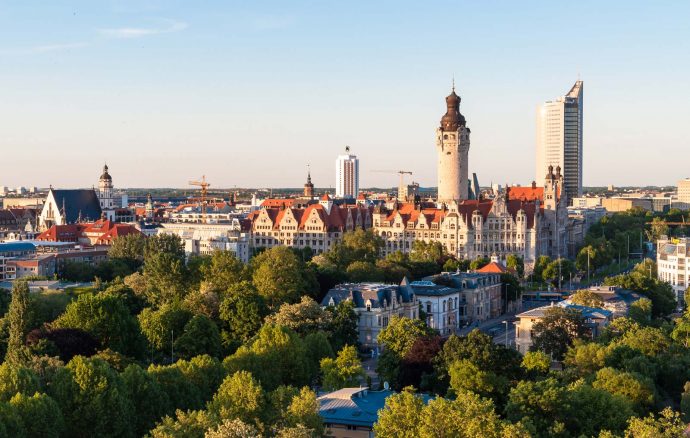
pixel 143 89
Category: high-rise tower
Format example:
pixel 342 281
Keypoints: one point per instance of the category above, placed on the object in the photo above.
pixel 559 139
pixel 347 175
pixel 453 145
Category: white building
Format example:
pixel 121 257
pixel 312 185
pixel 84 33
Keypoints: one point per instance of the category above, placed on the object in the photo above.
pixel 453 300
pixel 347 175
pixel 673 264
pixel 204 239
pixel 559 139
pixel 375 305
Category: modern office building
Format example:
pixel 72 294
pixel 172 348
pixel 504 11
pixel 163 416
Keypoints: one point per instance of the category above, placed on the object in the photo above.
pixel 347 175
pixel 559 139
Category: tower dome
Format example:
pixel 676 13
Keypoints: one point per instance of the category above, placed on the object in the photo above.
pixel 106 175
pixel 452 119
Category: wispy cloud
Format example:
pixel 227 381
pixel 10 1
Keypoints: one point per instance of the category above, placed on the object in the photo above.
pixel 170 26
pixel 43 48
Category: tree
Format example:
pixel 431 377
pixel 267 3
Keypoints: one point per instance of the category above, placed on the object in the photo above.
pixel 466 376
pixel 129 249
pixel 186 424
pixel 316 348
pixel 15 379
pixel 343 371
pixel 279 276
pixel 39 414
pixel 360 271
pixel 585 357
pixel 180 390
pixel 480 349
pixel 681 330
pixel 552 273
pixel 276 356
pixel 467 416
pixel 423 251
pixel 223 270
pixel 658 228
pixel 399 417
pixel 417 366
pixel 638 389
pixel 234 428
pixel 200 336
pixel 592 410
pixel 540 265
pixel 165 275
pixel 206 373
pixel 160 326
pixel 241 314
pixel 516 263
pixel 363 245
pixel 149 401
pixel 239 396
pixel 93 399
pixel 344 325
pixel 641 311
pixel 667 425
pixel 479 263
pixel 18 316
pixel 304 411
pixel 557 330
pixel 543 403
pixel 401 333
pixel 536 362
pixel 587 298
pixel 304 317
pixel 170 244
pixel 106 317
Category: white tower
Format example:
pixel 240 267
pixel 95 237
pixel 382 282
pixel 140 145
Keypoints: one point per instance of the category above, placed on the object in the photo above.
pixel 106 195
pixel 453 145
pixel 347 175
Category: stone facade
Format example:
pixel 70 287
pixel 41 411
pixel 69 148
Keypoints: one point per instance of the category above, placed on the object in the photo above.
pixel 316 226
pixel 375 304
pixel 527 221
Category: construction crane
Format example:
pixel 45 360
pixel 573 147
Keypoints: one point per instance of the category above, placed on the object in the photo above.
pixel 204 191
pixel 401 188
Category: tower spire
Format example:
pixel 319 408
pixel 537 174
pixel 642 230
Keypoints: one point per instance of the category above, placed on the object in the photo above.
pixel 453 82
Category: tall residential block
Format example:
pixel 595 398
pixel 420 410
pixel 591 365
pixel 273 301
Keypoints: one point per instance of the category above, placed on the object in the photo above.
pixel 347 175
pixel 684 191
pixel 452 145
pixel 559 139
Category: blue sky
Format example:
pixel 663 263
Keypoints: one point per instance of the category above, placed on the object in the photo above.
pixel 248 93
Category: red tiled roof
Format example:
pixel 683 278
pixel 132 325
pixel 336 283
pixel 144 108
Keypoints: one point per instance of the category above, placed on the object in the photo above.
pixel 492 268
pixel 277 202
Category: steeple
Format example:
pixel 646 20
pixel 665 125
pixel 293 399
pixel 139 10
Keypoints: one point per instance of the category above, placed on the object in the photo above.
pixel 309 187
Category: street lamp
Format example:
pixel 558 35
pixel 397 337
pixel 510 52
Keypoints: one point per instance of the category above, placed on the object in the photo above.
pixel 506 335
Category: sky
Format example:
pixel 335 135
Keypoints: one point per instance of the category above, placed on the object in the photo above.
pixel 251 93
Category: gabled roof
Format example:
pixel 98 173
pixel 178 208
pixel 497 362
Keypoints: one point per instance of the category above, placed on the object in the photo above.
pixel 78 203
pixel 492 268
